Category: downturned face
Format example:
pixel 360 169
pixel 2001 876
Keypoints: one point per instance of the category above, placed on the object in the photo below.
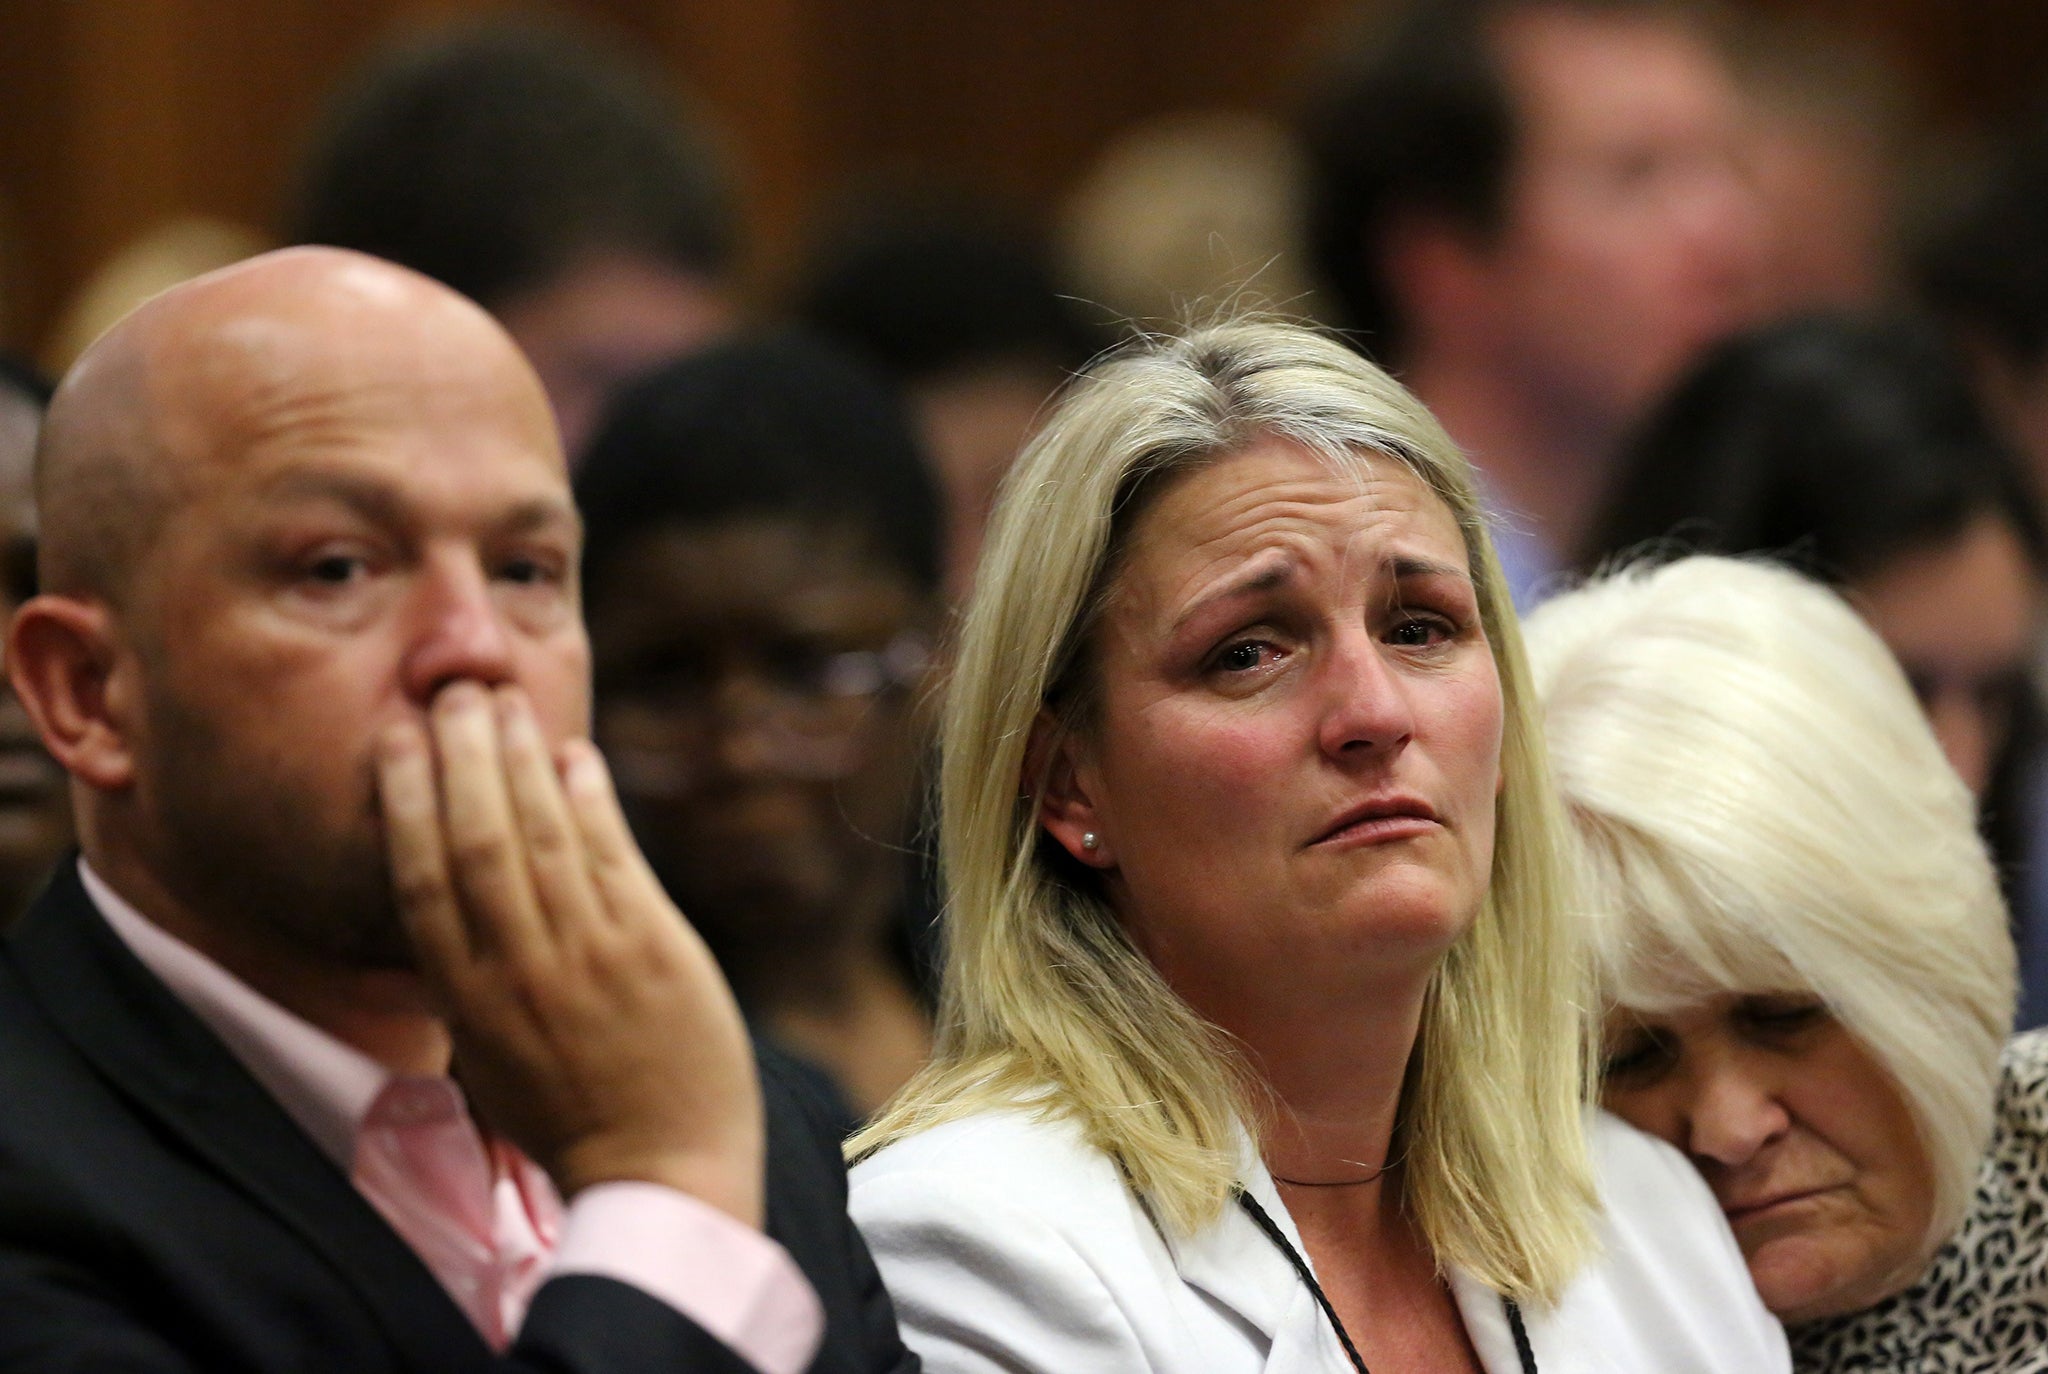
pixel 1804 1138
pixel 1292 772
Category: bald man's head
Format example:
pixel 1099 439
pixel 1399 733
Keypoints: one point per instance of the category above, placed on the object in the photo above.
pixel 285 506
pixel 196 376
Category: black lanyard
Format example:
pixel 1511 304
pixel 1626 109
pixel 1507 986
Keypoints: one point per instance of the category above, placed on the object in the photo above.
pixel 1279 1238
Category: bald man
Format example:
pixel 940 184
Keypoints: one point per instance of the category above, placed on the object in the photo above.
pixel 309 647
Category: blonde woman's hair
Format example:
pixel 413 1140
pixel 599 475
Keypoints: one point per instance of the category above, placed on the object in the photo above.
pixel 1045 1003
pixel 1761 807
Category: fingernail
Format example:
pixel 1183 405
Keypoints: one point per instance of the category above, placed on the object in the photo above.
pixel 585 770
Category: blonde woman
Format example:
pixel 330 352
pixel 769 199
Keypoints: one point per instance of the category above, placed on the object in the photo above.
pixel 1801 939
pixel 1260 1043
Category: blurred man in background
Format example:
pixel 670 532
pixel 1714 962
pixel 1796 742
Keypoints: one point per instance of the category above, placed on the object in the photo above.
pixel 547 177
pixel 1536 211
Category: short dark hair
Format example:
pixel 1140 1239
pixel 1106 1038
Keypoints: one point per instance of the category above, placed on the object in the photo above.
pixel 1415 117
pixel 1837 443
pixel 1839 446
pixel 493 155
pixel 1986 269
pixel 780 425
pixel 942 294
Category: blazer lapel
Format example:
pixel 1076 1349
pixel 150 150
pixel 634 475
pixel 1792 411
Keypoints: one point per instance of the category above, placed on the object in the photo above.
pixel 172 1069
pixel 1237 1267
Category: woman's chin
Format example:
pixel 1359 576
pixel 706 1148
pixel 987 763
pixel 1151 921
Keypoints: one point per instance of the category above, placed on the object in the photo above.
pixel 1801 1279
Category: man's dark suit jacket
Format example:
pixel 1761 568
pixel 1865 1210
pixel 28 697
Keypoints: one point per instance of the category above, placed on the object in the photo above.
pixel 160 1212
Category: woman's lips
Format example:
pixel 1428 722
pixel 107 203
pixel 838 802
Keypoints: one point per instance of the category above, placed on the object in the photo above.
pixel 1380 821
pixel 1738 1213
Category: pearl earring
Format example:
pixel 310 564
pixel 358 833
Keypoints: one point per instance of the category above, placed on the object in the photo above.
pixel 1090 841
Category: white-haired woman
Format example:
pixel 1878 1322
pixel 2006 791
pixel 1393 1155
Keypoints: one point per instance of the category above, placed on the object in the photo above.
pixel 1260 1042
pixel 1802 943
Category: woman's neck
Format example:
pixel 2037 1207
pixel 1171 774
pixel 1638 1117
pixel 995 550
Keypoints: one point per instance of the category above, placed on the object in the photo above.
pixel 1332 1069
pixel 1329 1136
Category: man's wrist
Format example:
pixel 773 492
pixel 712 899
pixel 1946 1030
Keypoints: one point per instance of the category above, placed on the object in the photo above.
pixel 729 1177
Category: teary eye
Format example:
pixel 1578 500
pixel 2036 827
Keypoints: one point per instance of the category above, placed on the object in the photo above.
pixel 1418 632
pixel 1246 655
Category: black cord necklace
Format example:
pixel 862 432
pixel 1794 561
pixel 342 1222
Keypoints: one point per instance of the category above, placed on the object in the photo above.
pixel 1273 1233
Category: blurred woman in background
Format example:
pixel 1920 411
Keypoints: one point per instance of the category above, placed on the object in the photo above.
pixel 761 581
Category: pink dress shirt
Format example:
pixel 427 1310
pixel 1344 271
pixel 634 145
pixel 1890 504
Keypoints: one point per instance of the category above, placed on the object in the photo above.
pixel 485 1220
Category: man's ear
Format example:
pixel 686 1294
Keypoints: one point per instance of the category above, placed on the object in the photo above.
pixel 62 659
pixel 1056 764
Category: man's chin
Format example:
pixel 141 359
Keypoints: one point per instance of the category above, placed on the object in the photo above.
pixel 395 990
pixel 382 946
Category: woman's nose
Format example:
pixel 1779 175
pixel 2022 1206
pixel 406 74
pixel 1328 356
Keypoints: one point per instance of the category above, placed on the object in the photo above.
pixel 1367 707
pixel 1734 1112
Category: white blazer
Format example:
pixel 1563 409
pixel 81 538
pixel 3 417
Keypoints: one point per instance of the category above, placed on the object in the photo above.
pixel 1009 1244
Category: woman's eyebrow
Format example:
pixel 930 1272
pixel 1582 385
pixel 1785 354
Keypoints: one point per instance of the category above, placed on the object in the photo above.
pixel 1276 572
pixel 1409 565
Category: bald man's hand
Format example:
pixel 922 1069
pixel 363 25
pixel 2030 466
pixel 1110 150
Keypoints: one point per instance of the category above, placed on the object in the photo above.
pixel 591 1024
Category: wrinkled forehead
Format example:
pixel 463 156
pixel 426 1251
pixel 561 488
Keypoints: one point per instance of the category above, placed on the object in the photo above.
pixel 1371 479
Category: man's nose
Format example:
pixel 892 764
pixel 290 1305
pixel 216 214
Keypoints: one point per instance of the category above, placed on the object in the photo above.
pixel 1367 708
pixel 456 630
pixel 1734 1112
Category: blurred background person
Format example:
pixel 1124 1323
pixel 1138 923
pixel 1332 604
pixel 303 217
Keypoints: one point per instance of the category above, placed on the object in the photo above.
pixel 1187 214
pixel 1800 941
pixel 1537 212
pixel 1984 272
pixel 1858 451
pixel 545 174
pixel 177 250
pixel 762 589
pixel 1829 140
pixel 35 804
pixel 968 319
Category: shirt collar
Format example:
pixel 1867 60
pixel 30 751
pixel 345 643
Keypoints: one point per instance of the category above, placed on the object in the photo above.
pixel 325 1086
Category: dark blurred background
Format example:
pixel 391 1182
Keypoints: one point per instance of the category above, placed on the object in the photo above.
pixel 116 115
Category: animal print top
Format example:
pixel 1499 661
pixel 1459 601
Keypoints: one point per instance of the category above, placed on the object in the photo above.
pixel 1982 1307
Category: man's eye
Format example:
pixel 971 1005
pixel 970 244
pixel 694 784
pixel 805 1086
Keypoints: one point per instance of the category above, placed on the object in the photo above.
pixel 537 568
pixel 336 569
